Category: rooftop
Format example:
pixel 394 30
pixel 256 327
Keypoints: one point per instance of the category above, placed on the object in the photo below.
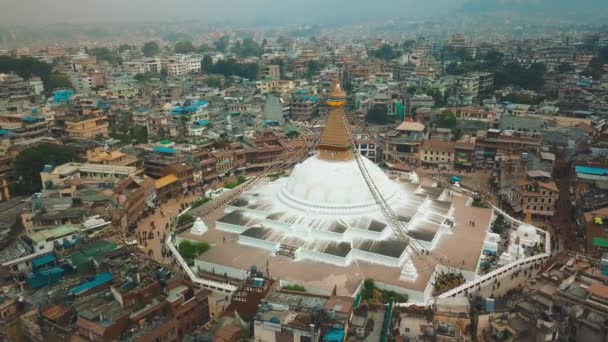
pixel 54 233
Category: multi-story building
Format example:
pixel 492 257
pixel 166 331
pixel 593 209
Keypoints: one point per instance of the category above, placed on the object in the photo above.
pixel 262 150
pixel 6 173
pixel 403 145
pixel 183 64
pixel 303 106
pixel 464 153
pixel 134 195
pixel 288 316
pixel 167 187
pixel 25 129
pixel 497 145
pixel 84 172
pixel 102 156
pixel 437 153
pixel 88 127
pixel 156 163
pixel 534 196
pixel 272 72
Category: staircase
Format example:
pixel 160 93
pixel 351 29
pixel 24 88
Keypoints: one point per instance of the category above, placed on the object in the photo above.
pixel 288 251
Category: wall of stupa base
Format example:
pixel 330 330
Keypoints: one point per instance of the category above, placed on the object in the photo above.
pixel 379 259
pixel 220 269
pixel 413 295
pixel 256 214
pixel 326 235
pixel 230 228
pixel 258 243
pixel 354 234
pixel 324 258
pixel 280 226
pixel 428 290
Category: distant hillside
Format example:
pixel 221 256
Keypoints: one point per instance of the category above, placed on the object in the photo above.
pixel 579 10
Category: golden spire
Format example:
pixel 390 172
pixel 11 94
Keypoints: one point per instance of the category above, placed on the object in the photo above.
pixel 334 143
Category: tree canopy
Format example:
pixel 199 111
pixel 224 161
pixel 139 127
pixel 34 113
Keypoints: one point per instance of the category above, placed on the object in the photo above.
pixel 247 48
pixel 386 52
pixel 518 75
pixel 184 46
pixel 150 49
pixel 595 69
pixel 378 114
pixel 190 249
pixel 222 44
pixel 204 48
pixel 26 67
pixel 105 54
pixel 231 67
pixel 447 119
pixel 30 162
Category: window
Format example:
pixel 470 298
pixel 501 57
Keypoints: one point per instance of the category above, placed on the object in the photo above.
pixel 534 208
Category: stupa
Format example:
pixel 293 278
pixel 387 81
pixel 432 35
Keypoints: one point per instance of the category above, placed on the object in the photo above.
pixel 199 227
pixel 324 210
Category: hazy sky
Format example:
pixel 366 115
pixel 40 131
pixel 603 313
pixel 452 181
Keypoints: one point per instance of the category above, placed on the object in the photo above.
pixel 26 12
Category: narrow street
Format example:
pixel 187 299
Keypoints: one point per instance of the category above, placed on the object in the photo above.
pixel 151 230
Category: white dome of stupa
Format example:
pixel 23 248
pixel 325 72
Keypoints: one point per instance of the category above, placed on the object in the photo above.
pixel 330 186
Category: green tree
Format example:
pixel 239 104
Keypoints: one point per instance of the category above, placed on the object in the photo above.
pixel 124 47
pixel 150 49
pixel 221 44
pixel 189 250
pixel 500 224
pixel 30 162
pixel 385 52
pixel 203 48
pixel 247 48
pixel 105 54
pixel 163 75
pixel 378 114
pixel 213 82
pixel 207 64
pixel 367 291
pixel 184 46
pixel 140 134
pixel 447 119
pixel 58 81
pixel 26 67
pixel 185 219
pixel 231 67
pixel 564 68
pixel 294 287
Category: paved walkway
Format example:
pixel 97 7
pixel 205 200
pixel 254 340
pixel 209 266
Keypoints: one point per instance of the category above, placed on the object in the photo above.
pixel 151 230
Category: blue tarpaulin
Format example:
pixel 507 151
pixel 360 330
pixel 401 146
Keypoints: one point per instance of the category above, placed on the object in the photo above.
pixel 43 260
pixel 99 280
pixel 597 171
pixel 165 150
pixel 334 335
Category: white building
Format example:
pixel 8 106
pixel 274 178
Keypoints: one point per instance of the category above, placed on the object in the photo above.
pixel 183 64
